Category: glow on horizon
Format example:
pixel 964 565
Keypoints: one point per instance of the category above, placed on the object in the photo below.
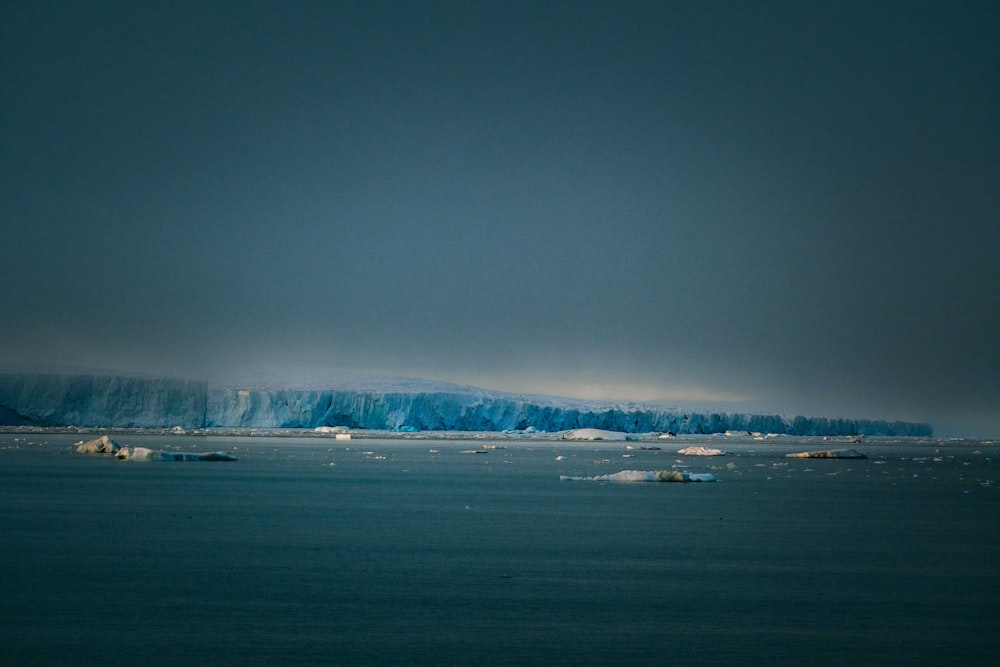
pixel 608 390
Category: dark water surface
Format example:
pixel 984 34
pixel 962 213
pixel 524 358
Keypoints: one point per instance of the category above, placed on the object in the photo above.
pixel 312 551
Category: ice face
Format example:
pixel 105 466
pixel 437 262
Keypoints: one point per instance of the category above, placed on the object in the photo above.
pixel 108 400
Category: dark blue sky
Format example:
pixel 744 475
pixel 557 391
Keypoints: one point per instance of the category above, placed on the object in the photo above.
pixel 783 206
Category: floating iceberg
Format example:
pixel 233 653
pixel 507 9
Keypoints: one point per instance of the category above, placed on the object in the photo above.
pixel 102 445
pixel 593 434
pixel 828 454
pixel 105 445
pixel 701 451
pixel 646 476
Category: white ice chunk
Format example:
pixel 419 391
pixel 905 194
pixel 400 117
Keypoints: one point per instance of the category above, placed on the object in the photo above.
pixel 102 445
pixel 700 451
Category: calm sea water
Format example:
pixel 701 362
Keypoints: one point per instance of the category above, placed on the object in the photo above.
pixel 309 551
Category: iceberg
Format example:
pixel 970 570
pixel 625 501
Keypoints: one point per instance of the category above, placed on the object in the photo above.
pixel 646 476
pixel 105 445
pixel 828 454
pixel 101 445
pixel 701 451
pixel 92 400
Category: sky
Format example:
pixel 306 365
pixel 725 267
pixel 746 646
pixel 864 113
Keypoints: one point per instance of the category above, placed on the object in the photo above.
pixel 787 207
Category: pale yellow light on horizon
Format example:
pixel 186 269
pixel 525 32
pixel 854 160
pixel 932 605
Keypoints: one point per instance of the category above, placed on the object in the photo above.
pixel 606 390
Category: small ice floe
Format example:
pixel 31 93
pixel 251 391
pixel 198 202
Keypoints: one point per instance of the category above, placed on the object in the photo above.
pixel 473 451
pixel 701 451
pixel 560 458
pixel 646 476
pixel 667 435
pixel 828 454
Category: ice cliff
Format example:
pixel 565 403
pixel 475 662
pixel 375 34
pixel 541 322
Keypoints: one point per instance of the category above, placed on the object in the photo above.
pixel 118 401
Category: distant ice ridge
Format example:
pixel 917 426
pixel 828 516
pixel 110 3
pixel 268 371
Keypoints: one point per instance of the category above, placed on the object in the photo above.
pixel 120 401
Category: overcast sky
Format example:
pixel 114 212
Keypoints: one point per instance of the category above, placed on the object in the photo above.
pixel 782 206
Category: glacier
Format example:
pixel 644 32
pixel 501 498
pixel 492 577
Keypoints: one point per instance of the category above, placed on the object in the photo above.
pixel 117 401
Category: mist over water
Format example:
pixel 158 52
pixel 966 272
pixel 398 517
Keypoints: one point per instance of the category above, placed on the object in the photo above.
pixel 316 551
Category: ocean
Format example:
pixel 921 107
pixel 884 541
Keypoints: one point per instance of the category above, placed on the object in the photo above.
pixel 411 552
